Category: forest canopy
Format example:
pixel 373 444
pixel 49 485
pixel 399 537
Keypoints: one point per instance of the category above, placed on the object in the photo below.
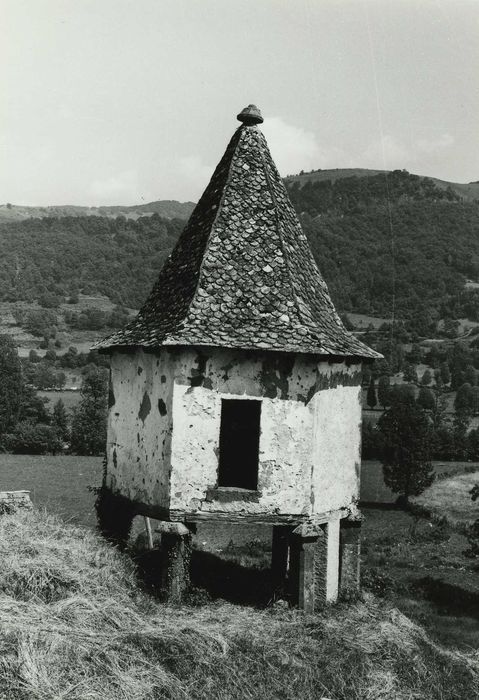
pixel 381 242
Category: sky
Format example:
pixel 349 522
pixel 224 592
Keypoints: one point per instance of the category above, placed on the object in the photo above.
pixel 130 101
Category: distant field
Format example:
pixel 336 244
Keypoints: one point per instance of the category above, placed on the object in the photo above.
pixel 362 321
pixel 451 498
pixel 374 490
pixel 59 484
pixel 81 339
pixel 69 398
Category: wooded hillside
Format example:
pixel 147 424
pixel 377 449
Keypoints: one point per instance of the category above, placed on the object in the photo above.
pixel 384 241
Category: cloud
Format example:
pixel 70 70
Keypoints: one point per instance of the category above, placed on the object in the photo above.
pixel 294 148
pixel 117 189
pixel 193 173
pixel 386 153
pixel 440 143
pixel 389 153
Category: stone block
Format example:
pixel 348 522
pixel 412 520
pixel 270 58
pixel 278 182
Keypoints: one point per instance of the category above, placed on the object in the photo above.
pixel 350 558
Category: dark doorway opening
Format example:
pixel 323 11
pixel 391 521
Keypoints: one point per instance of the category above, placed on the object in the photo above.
pixel 239 443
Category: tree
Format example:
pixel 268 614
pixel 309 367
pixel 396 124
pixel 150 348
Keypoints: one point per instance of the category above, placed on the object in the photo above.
pixel 451 327
pixel 426 378
pixel 426 399
pixel 406 447
pixel 371 397
pixel 384 389
pixel 415 354
pixel 445 372
pixel 50 357
pixel 438 378
pixel 70 358
pixel 88 430
pixel 45 376
pixel 34 408
pixel 464 401
pixel 410 374
pixel 28 438
pixel 397 357
pixel 11 384
pixel 33 356
pixel 399 392
pixel 60 420
pixel 470 375
pixel 439 412
pixel 40 322
pixel 60 380
pixel 459 359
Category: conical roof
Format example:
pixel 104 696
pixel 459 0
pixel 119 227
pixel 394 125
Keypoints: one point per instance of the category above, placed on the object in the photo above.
pixel 242 274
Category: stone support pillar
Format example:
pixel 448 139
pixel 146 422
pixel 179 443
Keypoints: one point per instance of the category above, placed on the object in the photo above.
pixel 314 564
pixel 280 556
pixel 350 559
pixel 308 567
pixel 176 556
pixel 332 560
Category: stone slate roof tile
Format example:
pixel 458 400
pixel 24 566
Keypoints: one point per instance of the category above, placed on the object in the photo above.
pixel 242 274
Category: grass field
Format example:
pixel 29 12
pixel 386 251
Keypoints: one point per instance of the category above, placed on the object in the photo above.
pixel 58 483
pixel 76 625
pixel 374 490
pixel 421 567
pixel 399 550
pixel 451 498
pixel 69 398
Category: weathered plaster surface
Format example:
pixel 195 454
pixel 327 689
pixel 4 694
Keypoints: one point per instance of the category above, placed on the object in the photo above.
pixel 336 447
pixel 164 428
pixel 292 465
pixel 139 426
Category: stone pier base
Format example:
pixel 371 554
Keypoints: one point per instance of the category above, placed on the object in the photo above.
pixel 176 555
pixel 350 558
pixel 319 561
pixel 314 565
pixel 280 557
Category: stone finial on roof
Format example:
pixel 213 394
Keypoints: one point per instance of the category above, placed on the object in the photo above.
pixel 250 115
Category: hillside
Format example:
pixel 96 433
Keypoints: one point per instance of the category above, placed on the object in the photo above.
pixel 468 191
pixel 168 209
pixel 53 258
pixel 399 244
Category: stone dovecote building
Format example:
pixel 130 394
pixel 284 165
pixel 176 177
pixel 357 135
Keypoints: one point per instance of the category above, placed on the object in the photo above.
pixel 236 392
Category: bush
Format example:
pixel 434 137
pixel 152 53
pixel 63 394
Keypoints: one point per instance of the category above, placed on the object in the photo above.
pixel 88 429
pixel 28 438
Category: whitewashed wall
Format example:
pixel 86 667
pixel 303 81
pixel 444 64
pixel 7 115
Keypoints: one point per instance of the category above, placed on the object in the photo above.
pixel 310 431
pixel 164 425
pixel 139 426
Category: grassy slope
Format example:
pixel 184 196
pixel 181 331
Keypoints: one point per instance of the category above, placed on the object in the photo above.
pixel 420 566
pixel 167 208
pixel 450 498
pixel 374 490
pixel 58 483
pixel 469 190
pixel 74 625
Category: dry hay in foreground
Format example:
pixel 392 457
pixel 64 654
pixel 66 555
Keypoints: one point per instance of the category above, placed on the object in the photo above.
pixel 74 625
